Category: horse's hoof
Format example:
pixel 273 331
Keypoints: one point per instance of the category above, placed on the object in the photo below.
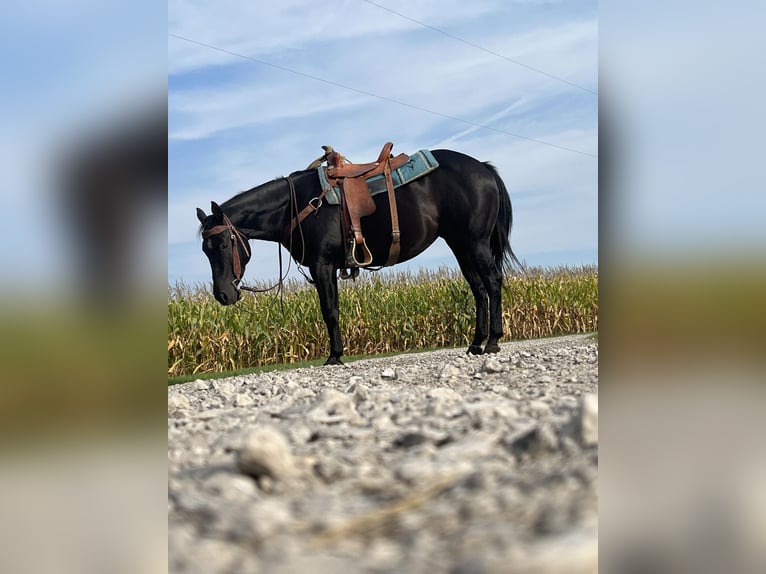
pixel 333 360
pixel 475 350
pixel 492 348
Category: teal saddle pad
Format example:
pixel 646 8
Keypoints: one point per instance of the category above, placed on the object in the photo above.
pixel 420 164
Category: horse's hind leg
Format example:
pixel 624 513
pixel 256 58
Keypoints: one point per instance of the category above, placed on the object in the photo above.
pixel 486 281
pixel 492 278
pixel 471 274
pixel 480 296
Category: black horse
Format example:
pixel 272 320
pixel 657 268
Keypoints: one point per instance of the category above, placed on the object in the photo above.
pixel 463 200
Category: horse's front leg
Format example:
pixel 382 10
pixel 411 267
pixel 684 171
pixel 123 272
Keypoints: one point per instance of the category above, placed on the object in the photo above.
pixel 326 282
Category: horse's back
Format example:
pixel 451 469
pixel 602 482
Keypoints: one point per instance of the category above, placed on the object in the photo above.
pixel 459 198
pixel 467 192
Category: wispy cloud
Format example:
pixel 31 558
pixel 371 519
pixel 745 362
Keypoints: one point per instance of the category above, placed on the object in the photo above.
pixel 439 75
pixel 235 123
pixel 273 28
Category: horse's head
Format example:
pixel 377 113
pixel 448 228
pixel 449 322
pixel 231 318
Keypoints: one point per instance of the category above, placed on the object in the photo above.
pixel 227 250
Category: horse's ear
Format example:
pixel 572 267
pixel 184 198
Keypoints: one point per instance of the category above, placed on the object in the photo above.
pixel 216 210
pixel 201 215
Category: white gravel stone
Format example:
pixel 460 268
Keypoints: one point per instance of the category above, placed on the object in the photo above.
pixel 243 400
pixel 333 407
pixel 492 365
pixel 265 452
pixel 443 401
pixel 225 388
pixel 450 371
pixel 200 385
pixel 389 374
pixel 176 402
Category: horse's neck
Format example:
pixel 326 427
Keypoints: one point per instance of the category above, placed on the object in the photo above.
pixel 262 212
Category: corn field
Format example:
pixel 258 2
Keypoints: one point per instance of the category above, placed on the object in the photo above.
pixel 379 313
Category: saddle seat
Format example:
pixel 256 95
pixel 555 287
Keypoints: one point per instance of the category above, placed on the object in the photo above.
pixel 357 202
pixel 338 166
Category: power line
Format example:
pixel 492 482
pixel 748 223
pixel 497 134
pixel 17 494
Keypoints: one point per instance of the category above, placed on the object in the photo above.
pixel 371 94
pixel 440 31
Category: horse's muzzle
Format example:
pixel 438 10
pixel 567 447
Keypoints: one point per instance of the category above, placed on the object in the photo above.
pixel 226 298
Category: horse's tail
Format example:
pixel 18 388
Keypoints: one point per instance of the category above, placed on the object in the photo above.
pixel 500 242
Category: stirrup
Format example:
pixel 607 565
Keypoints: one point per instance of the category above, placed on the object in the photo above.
pixel 366 255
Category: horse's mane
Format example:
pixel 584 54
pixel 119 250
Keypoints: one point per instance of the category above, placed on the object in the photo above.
pixel 241 193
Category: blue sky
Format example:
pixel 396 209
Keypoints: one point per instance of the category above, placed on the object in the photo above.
pixel 235 123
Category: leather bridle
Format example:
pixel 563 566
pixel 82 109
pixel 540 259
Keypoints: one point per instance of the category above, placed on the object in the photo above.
pixel 237 238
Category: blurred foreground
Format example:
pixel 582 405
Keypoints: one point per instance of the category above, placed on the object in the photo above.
pixel 82 291
pixel 682 462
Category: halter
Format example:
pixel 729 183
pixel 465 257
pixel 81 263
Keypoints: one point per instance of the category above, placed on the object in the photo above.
pixel 237 238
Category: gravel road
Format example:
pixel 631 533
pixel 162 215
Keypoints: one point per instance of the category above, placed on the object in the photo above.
pixel 430 462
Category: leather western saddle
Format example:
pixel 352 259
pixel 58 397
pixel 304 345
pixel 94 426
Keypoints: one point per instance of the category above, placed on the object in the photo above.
pixel 357 202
